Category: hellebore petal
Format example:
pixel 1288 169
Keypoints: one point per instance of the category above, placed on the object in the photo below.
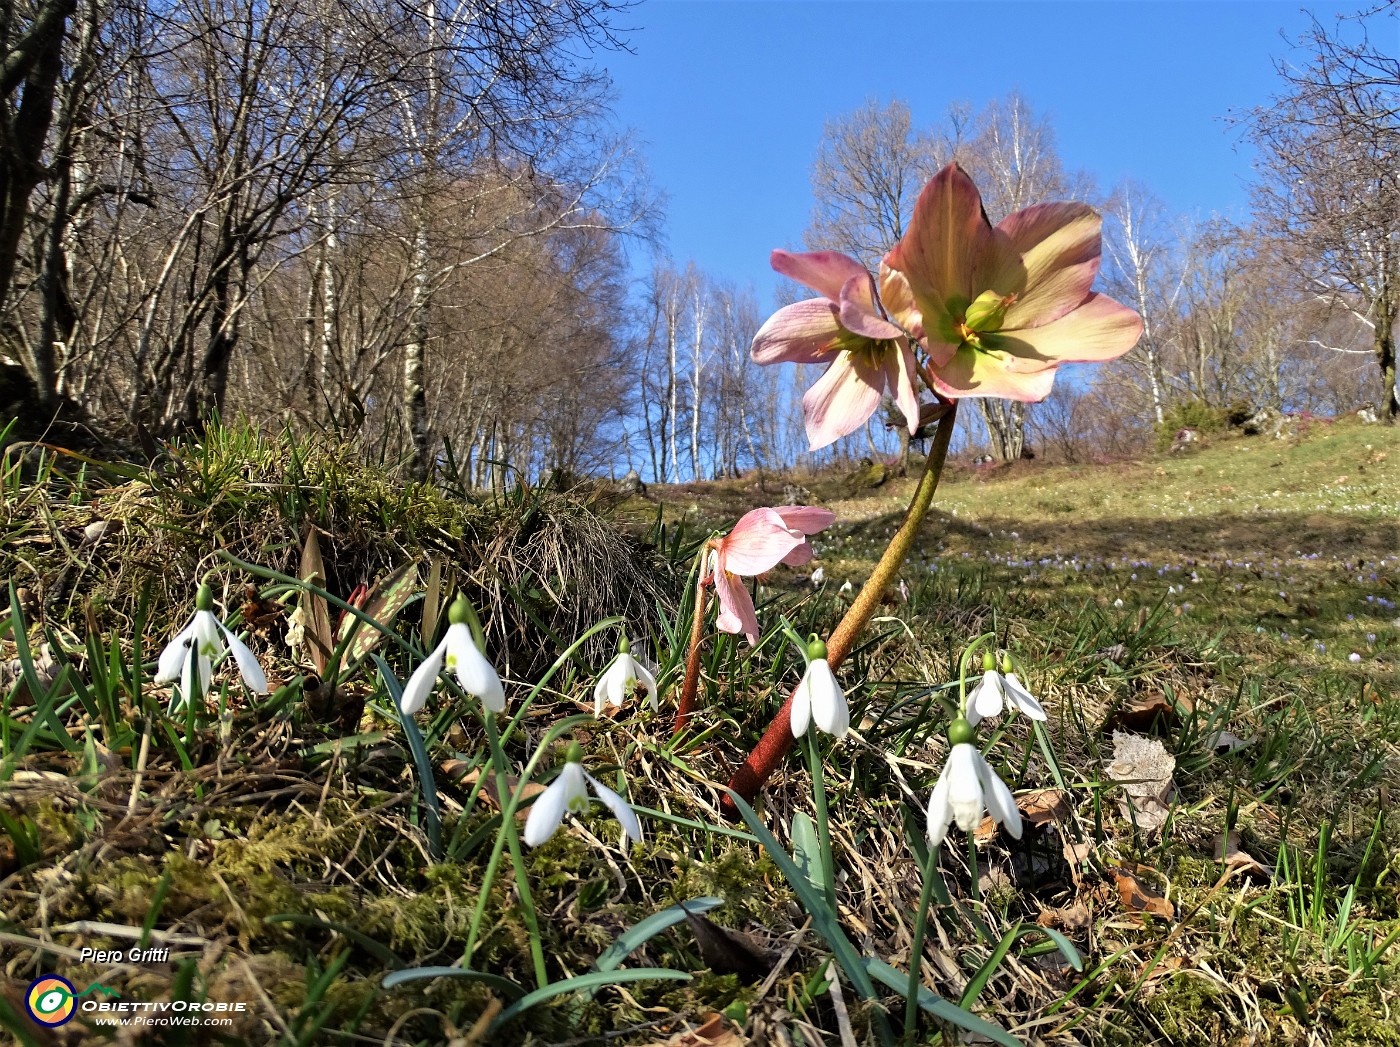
pixel 248 666
pixel 566 793
pixel 825 272
pixel 843 399
pixel 971 373
pixel 758 543
pixel 898 301
pixel 1060 245
pixel 1022 699
pixel 807 519
pixel 899 379
pixel 1098 329
pixel 621 809
pixel 860 315
pixel 736 610
pixel 950 248
pixel 423 680
pixel 801 333
pixel 474 673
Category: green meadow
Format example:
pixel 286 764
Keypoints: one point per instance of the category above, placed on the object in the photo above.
pixel 1210 855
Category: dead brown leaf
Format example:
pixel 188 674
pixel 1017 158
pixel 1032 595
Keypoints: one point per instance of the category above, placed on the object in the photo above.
pixel 1239 862
pixel 1151 713
pixel 1078 855
pixel 488 788
pixel 716 1032
pixel 1137 897
pixel 1073 917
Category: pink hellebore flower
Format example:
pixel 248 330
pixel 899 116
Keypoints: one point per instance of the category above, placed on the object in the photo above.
pixel 849 328
pixel 1003 306
pixel 762 539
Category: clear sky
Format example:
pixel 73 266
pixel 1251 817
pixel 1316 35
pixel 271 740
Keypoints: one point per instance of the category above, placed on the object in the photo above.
pixel 729 96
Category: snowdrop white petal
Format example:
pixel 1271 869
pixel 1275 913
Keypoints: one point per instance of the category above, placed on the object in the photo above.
pixel 1022 699
pixel 940 815
pixel 964 786
pixel 187 680
pixel 621 809
pixel 647 680
pixel 207 640
pixel 828 702
pixel 1001 805
pixel 565 793
pixel 476 675
pixel 248 666
pixel 176 653
pixel 986 699
pixel 801 714
pixel 421 683
pixel 602 690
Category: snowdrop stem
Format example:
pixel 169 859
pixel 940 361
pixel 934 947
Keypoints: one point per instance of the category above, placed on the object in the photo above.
pixel 692 661
pixel 916 949
pixel 511 832
pixel 510 801
pixel 814 765
pixel 760 764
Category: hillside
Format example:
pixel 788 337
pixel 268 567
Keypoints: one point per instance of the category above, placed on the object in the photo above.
pixel 1236 604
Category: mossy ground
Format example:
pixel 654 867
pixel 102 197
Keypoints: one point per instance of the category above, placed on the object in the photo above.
pixel 284 857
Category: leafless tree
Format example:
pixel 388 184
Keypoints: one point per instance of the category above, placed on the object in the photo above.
pixel 1329 175
pixel 1013 159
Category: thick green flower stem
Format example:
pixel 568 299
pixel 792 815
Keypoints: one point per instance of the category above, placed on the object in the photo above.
pixel 916 949
pixel 760 764
pixel 686 706
pixel 512 839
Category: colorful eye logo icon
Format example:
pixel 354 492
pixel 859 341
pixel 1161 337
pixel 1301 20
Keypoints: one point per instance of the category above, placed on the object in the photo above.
pixel 50 1000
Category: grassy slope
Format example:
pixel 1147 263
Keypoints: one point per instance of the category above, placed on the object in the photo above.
pixel 1248 555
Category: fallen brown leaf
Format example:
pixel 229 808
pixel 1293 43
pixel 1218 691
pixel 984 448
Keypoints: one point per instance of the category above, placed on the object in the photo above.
pixel 716 1032
pixel 1151 713
pixel 1138 897
pixel 1073 917
pixel 488 788
pixel 1239 862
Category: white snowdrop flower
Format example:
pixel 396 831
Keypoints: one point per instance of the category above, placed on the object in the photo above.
pixel 458 653
pixel 819 697
pixel 569 792
pixel 1118 602
pixel 1016 693
pixel 189 657
pixel 818 576
pixel 967 787
pixel 622 679
pixel 846 587
pixel 996 690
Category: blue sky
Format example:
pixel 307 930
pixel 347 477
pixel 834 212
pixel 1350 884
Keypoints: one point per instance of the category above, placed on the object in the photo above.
pixel 729 97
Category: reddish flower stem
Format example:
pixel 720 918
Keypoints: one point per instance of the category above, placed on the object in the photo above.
pixel 777 740
pixel 686 706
